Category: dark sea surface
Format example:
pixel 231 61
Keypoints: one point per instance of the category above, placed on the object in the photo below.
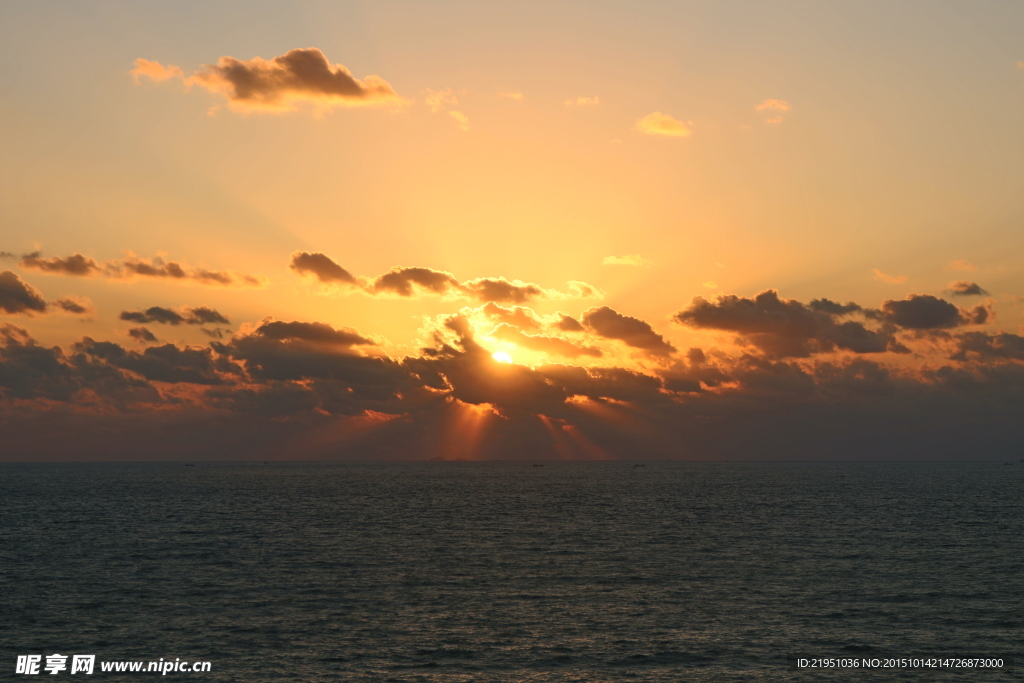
pixel 512 572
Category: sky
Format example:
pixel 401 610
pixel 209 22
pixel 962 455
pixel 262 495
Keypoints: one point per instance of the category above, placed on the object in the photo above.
pixel 467 230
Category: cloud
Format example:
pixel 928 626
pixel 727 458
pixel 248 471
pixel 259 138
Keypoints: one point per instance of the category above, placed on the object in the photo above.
pixel 439 100
pixel 411 281
pixel 322 267
pixel 73 305
pixel 406 281
pixel 785 327
pixel 313 333
pixel 168 363
pixel 966 288
pixel 166 316
pixel 280 84
pixel 519 316
pixel 511 95
pixel 979 346
pixel 583 101
pixel 567 323
pixel 308 389
pixel 922 312
pixel 141 334
pixel 156 267
pixel 662 124
pixel 461 120
pixel 154 71
pixel 773 105
pixel 544 344
pixel 75 264
pixel 626 260
pixel 133 266
pixel 18 296
pixel 889 279
pixel 961 265
pixel 608 323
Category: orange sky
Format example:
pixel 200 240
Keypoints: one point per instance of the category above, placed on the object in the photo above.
pixel 332 217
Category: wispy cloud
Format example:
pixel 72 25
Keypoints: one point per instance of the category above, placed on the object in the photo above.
pixel 773 105
pixel 626 260
pixel 658 123
pixel 582 101
pixel 889 279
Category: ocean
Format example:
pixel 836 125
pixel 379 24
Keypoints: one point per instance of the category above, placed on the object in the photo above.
pixel 566 571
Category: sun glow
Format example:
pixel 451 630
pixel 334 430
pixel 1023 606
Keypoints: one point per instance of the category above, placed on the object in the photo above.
pixel 501 357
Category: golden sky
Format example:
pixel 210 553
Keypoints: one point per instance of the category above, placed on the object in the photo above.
pixel 464 230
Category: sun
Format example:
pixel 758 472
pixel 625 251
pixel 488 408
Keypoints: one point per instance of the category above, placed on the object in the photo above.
pixel 501 357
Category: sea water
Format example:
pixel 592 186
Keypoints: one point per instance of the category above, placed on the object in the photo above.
pixel 513 571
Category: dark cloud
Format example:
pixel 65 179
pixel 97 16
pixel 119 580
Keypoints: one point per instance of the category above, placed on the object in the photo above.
pixel 154 314
pixel 73 306
pixel 786 327
pixel 832 307
pixel 134 266
pixel 966 288
pixel 76 264
pixel 278 84
pixel 985 347
pixel 156 267
pixel 921 312
pixel 610 324
pixel 141 334
pixel 166 316
pixel 567 323
pixel 317 333
pixel 409 281
pixel 30 371
pixel 167 363
pixel 322 267
pixel 405 281
pixel 18 296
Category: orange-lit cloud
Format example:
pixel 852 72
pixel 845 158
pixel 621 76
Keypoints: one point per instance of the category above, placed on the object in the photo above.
pixel 544 344
pixel 889 279
pixel 155 71
pixel 513 95
pixel 658 123
pixel 961 265
pixel 773 105
pixel 461 120
pixel 583 101
pixel 280 84
pixel 439 100
pixel 626 260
